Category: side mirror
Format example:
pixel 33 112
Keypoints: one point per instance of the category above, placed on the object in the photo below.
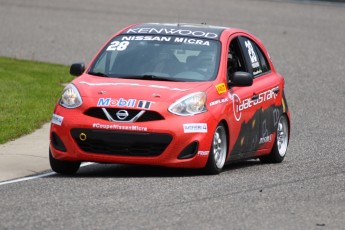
pixel 77 69
pixel 241 79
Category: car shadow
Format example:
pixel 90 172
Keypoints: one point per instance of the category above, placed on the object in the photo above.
pixel 137 171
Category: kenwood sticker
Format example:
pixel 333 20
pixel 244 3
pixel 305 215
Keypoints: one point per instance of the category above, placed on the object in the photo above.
pixel 172 31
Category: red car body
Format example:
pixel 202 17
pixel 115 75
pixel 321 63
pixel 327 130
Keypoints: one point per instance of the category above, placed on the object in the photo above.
pixel 249 112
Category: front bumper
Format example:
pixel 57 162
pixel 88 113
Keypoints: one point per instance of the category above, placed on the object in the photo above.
pixel 162 142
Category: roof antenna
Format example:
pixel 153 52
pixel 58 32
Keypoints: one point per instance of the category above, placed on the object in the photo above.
pixel 178 19
pixel 203 23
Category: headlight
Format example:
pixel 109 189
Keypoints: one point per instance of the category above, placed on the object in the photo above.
pixel 191 104
pixel 70 97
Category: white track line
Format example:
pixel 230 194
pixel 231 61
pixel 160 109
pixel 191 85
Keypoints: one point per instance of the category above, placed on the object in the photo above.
pixel 38 176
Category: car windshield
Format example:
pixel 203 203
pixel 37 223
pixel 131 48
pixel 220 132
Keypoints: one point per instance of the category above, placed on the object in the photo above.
pixel 166 58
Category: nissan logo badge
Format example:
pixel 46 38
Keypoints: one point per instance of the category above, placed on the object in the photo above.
pixel 122 114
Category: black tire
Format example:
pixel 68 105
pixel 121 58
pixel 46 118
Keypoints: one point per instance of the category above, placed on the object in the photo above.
pixel 218 152
pixel 281 141
pixel 63 167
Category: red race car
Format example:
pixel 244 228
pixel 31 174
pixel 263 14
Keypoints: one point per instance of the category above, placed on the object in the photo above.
pixel 174 95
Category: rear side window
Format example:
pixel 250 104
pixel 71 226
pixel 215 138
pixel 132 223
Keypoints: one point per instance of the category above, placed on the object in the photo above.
pixel 263 61
pixel 257 62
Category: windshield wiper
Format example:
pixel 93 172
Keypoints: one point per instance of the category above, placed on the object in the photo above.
pixel 155 77
pixel 143 77
pixel 98 74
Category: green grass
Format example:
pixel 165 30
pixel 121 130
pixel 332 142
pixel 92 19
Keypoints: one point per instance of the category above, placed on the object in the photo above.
pixel 28 93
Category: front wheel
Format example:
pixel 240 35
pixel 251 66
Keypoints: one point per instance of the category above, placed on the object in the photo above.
pixel 279 149
pixel 216 159
pixel 63 167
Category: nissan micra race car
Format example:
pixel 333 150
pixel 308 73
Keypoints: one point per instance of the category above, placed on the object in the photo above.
pixel 173 95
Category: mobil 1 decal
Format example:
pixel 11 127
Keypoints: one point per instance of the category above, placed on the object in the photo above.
pixel 124 103
pixel 144 104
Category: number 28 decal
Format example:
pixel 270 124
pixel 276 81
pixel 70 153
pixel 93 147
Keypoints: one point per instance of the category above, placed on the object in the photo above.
pixel 118 46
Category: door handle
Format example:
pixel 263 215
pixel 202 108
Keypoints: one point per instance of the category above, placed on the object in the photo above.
pixel 276 90
pixel 255 97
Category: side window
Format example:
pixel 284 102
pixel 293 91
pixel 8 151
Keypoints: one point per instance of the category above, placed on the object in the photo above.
pixel 263 60
pixel 236 61
pixel 254 57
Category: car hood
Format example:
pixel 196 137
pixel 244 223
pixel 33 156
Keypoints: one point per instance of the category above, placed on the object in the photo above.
pixel 150 90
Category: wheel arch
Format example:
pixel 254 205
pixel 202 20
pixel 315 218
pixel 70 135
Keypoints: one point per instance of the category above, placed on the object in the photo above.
pixel 227 130
pixel 287 114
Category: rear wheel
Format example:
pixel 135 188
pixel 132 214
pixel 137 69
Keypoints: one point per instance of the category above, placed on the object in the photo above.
pixel 279 149
pixel 216 159
pixel 63 167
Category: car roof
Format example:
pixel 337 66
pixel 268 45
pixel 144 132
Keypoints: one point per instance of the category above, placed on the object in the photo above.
pixel 176 29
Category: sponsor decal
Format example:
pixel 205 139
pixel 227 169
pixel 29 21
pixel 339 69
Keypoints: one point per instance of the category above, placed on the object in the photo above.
pixel 191 41
pixel 265 139
pixel 219 101
pixel 257 72
pixel 265 136
pixel 195 128
pixel 253 58
pixel 255 132
pixel 203 153
pixel 119 127
pixel 146 38
pixel 131 84
pixel 144 104
pixel 118 46
pixel 172 31
pixel 276 114
pixel 116 102
pixel 56 119
pixel 129 103
pixel 239 105
pixel 221 88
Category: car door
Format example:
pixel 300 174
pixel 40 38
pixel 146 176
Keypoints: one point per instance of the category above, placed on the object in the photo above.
pixel 265 90
pixel 245 119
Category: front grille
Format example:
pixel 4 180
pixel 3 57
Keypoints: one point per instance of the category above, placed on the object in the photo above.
pixel 96 112
pixel 147 116
pixel 121 143
pixel 150 116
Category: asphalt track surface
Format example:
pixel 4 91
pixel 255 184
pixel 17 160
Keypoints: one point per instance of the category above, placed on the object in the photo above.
pixel 306 191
